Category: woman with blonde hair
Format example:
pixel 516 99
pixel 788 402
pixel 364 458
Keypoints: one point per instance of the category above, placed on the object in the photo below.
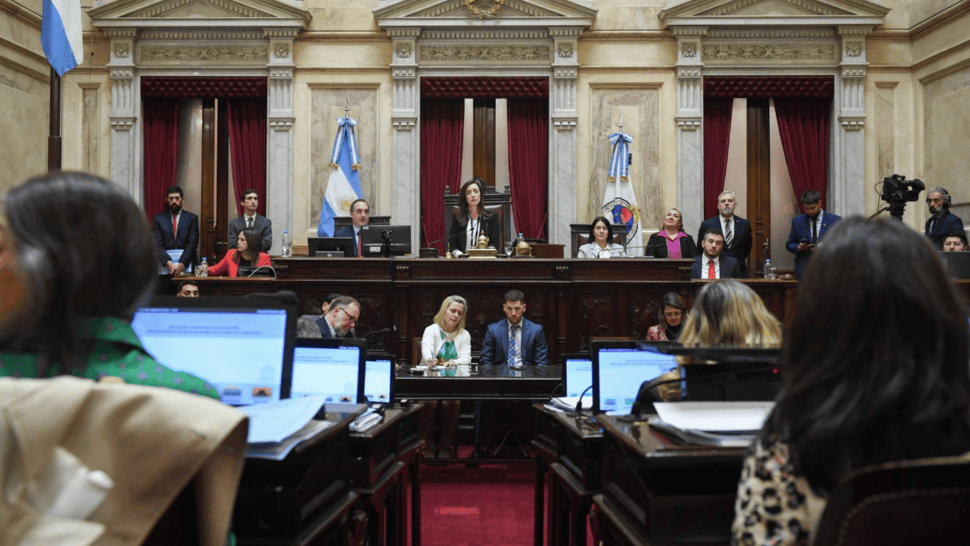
pixel 445 343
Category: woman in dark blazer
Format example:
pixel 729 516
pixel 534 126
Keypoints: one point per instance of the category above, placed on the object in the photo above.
pixel 471 219
pixel 671 237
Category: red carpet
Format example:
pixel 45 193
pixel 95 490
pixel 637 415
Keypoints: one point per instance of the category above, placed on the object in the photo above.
pixel 477 506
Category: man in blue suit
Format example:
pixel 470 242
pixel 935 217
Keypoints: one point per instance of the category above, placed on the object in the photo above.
pixel 515 341
pixel 339 318
pixel 176 229
pixel 713 263
pixel 736 230
pixel 360 217
pixel 942 222
pixel 808 229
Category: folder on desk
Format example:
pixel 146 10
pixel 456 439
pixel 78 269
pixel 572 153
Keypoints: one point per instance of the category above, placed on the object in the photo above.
pixel 724 424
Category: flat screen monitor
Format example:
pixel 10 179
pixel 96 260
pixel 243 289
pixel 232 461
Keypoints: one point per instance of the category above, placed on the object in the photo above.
pixel 379 380
pixel 330 247
pixel 957 264
pixel 577 375
pixel 333 368
pixel 241 346
pixel 385 240
pixel 620 367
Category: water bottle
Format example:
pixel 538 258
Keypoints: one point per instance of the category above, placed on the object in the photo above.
pixel 203 268
pixel 768 273
pixel 287 244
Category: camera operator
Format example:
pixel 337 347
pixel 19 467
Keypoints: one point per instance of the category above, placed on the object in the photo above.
pixel 942 222
pixel 807 230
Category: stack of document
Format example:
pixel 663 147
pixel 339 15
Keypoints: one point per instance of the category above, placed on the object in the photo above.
pixel 276 428
pixel 724 424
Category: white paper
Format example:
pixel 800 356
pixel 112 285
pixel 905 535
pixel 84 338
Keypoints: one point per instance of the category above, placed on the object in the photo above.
pixel 715 416
pixel 276 421
pixel 278 452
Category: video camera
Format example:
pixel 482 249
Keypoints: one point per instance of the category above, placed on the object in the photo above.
pixel 897 191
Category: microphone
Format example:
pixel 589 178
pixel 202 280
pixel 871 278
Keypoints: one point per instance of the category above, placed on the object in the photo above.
pixel 255 269
pixel 379 332
pixel 445 238
pixel 579 403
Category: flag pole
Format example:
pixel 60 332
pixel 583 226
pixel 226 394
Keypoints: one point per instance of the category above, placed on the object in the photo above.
pixel 54 139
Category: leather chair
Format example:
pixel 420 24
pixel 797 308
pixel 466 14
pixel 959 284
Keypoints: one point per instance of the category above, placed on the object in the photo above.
pixel 922 501
pixel 580 236
pixel 494 203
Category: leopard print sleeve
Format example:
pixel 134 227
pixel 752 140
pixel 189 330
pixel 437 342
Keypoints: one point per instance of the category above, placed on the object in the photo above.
pixel 771 507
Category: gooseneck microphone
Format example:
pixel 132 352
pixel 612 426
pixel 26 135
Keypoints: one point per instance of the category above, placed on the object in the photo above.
pixel 579 403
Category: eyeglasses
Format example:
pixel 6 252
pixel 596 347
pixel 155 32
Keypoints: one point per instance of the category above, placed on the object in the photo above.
pixel 351 317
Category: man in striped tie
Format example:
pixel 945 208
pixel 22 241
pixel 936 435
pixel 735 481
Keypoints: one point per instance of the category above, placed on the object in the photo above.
pixel 736 230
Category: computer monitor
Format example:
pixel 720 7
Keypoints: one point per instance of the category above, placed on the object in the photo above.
pixel 241 346
pixel 329 367
pixel 577 374
pixel 330 247
pixel 734 374
pixel 957 264
pixel 620 367
pixel 379 380
pixel 385 240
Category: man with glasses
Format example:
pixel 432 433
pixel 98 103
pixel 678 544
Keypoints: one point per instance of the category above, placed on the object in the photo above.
pixel 340 318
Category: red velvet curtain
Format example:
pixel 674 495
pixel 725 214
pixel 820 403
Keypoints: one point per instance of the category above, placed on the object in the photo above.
pixel 161 119
pixel 717 140
pixel 803 125
pixel 246 119
pixel 442 123
pixel 528 163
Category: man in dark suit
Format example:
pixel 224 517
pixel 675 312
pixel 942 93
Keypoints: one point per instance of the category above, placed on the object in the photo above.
pixel 176 229
pixel 360 217
pixel 713 263
pixel 513 341
pixel 807 230
pixel 340 318
pixel 251 219
pixel 942 222
pixel 736 230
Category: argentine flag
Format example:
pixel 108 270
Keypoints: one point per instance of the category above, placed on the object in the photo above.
pixel 619 202
pixel 343 188
pixel 60 34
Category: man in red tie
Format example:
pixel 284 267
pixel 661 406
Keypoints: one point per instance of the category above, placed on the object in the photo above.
pixel 176 233
pixel 713 264
pixel 360 216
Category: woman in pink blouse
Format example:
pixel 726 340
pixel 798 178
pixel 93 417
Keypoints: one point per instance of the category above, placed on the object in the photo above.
pixel 671 316
pixel 671 241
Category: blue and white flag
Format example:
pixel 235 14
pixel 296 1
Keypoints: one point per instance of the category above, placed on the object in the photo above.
pixel 60 34
pixel 343 188
pixel 619 201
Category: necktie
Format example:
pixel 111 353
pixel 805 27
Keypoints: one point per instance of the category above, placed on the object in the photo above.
pixel 512 331
pixel 360 249
pixel 711 272
pixel 175 226
pixel 249 222
pixel 727 233
pixel 814 232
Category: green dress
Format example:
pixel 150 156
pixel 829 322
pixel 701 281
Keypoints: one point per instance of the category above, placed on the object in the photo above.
pixel 116 352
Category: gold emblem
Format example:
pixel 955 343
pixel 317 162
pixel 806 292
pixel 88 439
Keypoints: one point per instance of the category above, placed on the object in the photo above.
pixel 486 14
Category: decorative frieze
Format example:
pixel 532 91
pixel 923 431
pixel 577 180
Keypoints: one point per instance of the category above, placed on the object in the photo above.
pixel 122 123
pixel 163 53
pixel 408 73
pixel 199 35
pixel 403 51
pixel 765 52
pixel 497 52
pixel 770 33
pixel 473 34
pixel 565 50
pixel 852 123
pixel 281 124
pixel 285 73
pixel 565 73
pixel 853 49
pixel 281 51
pixel 122 50
pixel 689 124
pixel 853 71
pixel 405 124
pixel 564 124
pixel 688 49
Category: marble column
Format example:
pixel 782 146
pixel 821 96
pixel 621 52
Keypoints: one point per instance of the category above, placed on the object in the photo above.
pixel 279 150
pixel 406 175
pixel 847 182
pixel 562 135
pixel 690 136
pixel 126 166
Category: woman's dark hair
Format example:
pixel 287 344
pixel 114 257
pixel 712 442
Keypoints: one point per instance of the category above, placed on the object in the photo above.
pixel 592 227
pixel 876 363
pixel 671 299
pixel 254 244
pixel 85 251
pixel 461 215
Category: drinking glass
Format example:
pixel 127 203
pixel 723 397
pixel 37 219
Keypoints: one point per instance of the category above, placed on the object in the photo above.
pixel 508 249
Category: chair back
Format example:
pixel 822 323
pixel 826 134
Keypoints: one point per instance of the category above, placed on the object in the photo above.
pixel 580 236
pixel 341 221
pixel 499 204
pixel 902 503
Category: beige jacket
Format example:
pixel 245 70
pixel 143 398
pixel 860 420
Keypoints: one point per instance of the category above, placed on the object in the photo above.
pixel 149 441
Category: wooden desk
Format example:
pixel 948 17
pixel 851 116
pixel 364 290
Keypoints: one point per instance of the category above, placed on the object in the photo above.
pixel 569 451
pixel 531 383
pixel 381 457
pixel 572 299
pixel 655 492
pixel 304 499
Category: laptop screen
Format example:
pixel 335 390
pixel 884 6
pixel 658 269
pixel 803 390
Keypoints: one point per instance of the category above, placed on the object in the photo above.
pixel 237 345
pixel 329 367
pixel 577 375
pixel 619 367
pixel 379 381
